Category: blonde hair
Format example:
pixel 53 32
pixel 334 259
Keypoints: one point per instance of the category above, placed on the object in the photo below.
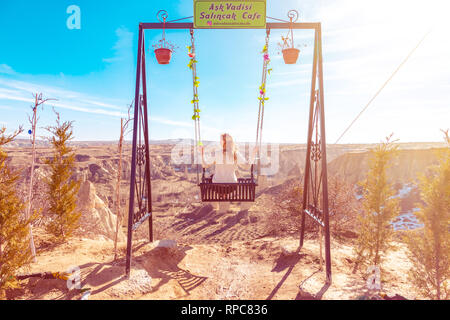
pixel 228 146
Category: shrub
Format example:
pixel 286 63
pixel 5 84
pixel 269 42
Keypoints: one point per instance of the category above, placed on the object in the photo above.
pixel 62 190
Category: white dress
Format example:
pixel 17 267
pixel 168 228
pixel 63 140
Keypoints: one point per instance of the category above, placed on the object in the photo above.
pixel 226 172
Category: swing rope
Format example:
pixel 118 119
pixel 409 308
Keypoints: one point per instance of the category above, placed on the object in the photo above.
pixel 262 100
pixel 195 100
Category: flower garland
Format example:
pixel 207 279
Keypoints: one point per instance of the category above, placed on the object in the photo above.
pixel 262 88
pixel 196 100
pixel 196 83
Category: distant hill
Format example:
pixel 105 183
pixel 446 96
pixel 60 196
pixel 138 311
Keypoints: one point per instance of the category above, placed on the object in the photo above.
pixel 406 167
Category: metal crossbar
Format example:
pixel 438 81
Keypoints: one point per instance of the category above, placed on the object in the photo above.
pixel 141 221
pixel 269 25
pixel 311 212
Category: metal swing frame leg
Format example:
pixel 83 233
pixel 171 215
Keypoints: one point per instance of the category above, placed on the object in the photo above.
pixel 140 121
pixel 317 115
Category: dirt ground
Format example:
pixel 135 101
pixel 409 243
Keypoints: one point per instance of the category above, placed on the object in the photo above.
pixel 264 268
pixel 247 252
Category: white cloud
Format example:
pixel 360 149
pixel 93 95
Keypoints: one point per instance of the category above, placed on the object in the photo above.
pixel 123 45
pixel 22 91
pixel 287 83
pixel 5 69
pixel 363 43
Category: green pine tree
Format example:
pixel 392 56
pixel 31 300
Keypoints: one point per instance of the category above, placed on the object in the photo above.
pixel 14 235
pixel 430 246
pixel 379 207
pixel 62 189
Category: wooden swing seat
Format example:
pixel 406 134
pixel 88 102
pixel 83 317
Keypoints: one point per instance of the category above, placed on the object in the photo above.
pixel 242 191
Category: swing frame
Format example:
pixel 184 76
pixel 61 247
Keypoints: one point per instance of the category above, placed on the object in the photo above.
pixel 316 116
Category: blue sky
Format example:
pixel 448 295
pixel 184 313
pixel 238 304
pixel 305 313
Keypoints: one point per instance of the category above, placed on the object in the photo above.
pixel 91 71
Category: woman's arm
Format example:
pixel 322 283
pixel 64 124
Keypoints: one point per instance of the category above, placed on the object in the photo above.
pixel 242 163
pixel 204 165
pixel 241 159
pixel 254 155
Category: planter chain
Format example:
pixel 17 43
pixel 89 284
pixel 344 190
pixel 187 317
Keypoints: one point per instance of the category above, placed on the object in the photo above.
pixel 162 17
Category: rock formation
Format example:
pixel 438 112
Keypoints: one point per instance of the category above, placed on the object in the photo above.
pixel 97 219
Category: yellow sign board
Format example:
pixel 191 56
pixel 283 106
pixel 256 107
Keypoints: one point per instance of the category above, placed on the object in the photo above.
pixel 224 14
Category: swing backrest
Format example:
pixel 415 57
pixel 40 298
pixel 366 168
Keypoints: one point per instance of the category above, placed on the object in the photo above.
pixel 242 191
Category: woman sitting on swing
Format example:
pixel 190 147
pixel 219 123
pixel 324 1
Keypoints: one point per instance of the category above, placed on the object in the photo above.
pixel 225 169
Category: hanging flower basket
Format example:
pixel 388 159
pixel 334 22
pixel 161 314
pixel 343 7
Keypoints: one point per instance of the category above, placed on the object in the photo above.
pixel 290 55
pixel 163 49
pixel 163 55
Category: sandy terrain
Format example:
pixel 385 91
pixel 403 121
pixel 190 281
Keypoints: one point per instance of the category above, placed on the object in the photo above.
pixel 245 253
pixel 255 269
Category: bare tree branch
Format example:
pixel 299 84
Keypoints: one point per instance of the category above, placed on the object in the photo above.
pixel 123 131
pixel 34 119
